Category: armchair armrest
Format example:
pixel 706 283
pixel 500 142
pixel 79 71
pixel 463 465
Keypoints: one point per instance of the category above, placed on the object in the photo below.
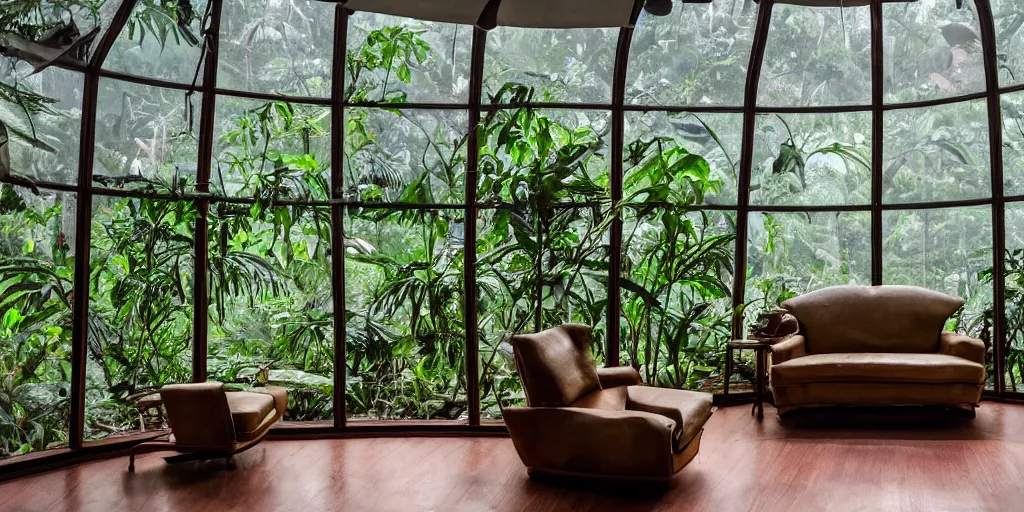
pixel 615 376
pixel 280 397
pixel 962 346
pixel 791 348
pixel 591 441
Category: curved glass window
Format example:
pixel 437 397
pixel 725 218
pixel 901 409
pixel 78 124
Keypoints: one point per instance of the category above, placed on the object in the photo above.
pixel 396 60
pixel 277 47
pixel 1009 19
pixel 817 57
pixel 352 220
pixel 695 56
pixel 159 42
pixel 812 159
pixel 932 50
pixel 42 117
pixel 937 154
pixel 576 66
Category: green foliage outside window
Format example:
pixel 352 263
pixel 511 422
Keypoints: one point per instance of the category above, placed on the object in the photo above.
pixel 543 223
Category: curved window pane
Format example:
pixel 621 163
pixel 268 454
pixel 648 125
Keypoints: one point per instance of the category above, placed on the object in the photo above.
pixel 817 56
pixel 564 65
pixel 405 156
pixel 140 310
pixel 161 41
pixel 676 298
pixel 145 137
pixel 37 240
pixel 795 253
pixel 271 308
pixel 74 26
pixel 544 156
pixel 277 47
pixel 946 250
pixel 507 297
pixel 698 55
pixel 932 50
pixel 392 59
pixel 937 154
pixel 44 144
pixel 1009 20
pixel 1013 144
pixel 681 158
pixel 812 159
pixel 406 335
pixel 271 149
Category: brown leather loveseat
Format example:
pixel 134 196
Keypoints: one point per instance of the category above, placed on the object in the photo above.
pixel 883 345
pixel 585 421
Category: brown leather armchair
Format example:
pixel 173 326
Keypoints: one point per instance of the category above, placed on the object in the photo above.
pixel 584 421
pixel 207 422
pixel 882 345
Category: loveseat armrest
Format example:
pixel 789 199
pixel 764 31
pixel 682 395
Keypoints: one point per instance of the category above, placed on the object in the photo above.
pixel 962 346
pixel 792 348
pixel 573 440
pixel 615 376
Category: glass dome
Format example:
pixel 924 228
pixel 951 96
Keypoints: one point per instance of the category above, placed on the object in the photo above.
pixel 227 190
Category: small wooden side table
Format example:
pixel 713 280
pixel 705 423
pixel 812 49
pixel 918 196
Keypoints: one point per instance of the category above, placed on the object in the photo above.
pixel 761 350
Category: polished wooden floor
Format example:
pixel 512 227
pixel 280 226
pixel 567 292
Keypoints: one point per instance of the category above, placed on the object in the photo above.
pixel 824 461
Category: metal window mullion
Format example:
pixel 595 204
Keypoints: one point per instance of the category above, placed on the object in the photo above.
pixel 764 16
pixel 995 133
pixel 201 258
pixel 338 214
pixel 470 314
pixel 877 138
pixel 614 312
pixel 83 222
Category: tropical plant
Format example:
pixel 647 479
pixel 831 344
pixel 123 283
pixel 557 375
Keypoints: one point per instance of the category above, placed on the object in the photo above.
pixel 1014 335
pixel 36 271
pixel 676 306
pixel 543 202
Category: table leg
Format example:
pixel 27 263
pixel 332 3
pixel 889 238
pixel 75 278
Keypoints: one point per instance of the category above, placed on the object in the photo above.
pixel 728 369
pixel 760 369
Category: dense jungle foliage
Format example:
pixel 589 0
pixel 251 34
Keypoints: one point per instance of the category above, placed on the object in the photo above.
pixel 543 191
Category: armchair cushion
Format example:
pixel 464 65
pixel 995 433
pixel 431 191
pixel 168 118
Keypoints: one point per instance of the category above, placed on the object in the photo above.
pixel 690 410
pixel 866 367
pixel 610 399
pixel 280 397
pixel 613 376
pixel 555 365
pixel 962 346
pixel 249 411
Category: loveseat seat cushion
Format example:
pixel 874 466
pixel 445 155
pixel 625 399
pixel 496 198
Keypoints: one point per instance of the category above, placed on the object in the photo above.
pixel 249 411
pixel 689 409
pixel 877 367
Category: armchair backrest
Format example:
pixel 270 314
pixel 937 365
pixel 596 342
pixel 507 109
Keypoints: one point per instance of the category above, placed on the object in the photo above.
pixel 901 319
pixel 198 414
pixel 555 365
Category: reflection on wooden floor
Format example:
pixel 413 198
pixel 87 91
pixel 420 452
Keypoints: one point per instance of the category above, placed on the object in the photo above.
pixel 828 460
